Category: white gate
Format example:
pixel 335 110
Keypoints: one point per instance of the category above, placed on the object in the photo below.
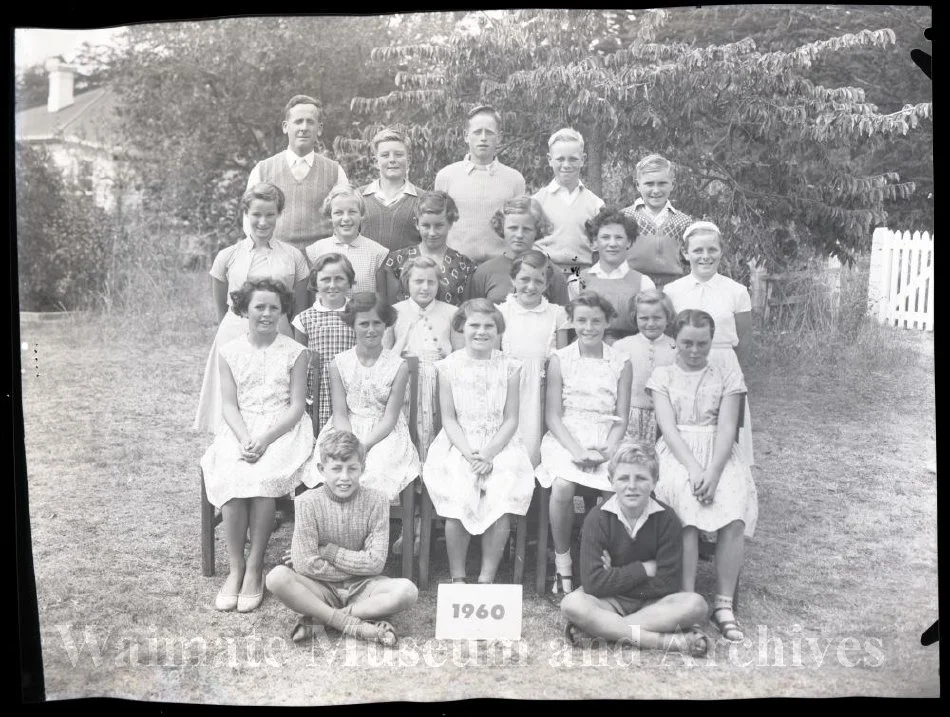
pixel 901 283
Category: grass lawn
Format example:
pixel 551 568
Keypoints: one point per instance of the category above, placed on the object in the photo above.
pixel 838 584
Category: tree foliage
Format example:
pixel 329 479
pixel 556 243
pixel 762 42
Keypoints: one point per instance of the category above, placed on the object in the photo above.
pixel 780 161
pixel 64 241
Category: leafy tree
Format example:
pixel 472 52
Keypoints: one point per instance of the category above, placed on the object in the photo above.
pixel 64 241
pixel 779 161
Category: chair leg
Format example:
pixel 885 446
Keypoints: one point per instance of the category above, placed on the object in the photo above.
pixel 408 500
pixel 207 530
pixel 544 520
pixel 425 539
pixel 521 535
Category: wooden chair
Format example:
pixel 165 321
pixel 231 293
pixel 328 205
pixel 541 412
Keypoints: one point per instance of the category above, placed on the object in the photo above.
pixel 405 510
pixel 515 548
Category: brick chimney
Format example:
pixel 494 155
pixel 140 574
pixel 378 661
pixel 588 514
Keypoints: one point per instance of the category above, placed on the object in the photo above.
pixel 61 78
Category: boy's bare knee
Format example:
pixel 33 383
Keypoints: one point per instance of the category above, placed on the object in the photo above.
pixel 696 604
pixel 573 605
pixel 278 578
pixel 408 592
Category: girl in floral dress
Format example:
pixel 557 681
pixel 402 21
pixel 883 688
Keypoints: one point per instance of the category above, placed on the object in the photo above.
pixel 477 472
pixel 322 330
pixel 651 347
pixel 534 328
pixel 264 445
pixel 702 475
pixel 586 409
pixel 367 389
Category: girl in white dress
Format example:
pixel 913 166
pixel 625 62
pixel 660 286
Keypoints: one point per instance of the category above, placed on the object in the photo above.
pixel 477 471
pixel 423 328
pixel 652 311
pixel 702 475
pixel 727 301
pixel 586 409
pixel 367 390
pixel 534 328
pixel 257 256
pixel 265 443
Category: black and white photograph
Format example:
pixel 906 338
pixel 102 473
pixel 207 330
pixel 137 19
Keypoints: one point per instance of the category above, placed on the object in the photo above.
pixel 548 354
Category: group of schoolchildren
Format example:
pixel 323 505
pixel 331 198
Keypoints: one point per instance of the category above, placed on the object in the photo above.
pixel 558 341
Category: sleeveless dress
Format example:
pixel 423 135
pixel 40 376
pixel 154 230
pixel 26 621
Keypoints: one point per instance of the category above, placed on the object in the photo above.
pixel 479 391
pixel 393 463
pixel 696 396
pixel 644 355
pixel 530 336
pixel 429 340
pixel 327 335
pixel 263 377
pixel 589 398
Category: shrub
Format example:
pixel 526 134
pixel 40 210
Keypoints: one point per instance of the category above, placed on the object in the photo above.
pixel 64 241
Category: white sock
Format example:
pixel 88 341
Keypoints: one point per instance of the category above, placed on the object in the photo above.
pixel 563 563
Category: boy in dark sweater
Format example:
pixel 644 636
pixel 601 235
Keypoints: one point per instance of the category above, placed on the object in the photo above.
pixel 341 538
pixel 631 548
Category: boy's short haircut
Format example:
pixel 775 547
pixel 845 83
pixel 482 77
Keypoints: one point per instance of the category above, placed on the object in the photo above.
pixel 364 301
pixel 343 190
pixel 522 205
pixel 331 258
pixel 697 318
pixel 653 296
pixel 303 100
pixel 483 110
pixel 567 134
pixel 654 163
pixel 437 202
pixel 635 453
pixel 341 446
pixel 265 191
pixel 477 306
pixel 700 227
pixel 611 215
pixel 389 134
pixel 593 300
pixel 418 262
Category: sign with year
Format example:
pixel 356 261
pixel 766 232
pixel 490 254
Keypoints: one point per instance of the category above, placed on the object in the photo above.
pixel 478 612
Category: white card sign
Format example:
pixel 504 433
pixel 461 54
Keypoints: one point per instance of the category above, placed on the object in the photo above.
pixel 478 612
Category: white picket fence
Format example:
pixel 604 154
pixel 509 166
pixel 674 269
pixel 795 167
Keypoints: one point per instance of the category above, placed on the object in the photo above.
pixel 901 283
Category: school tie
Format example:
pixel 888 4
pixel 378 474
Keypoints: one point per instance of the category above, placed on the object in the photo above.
pixel 299 168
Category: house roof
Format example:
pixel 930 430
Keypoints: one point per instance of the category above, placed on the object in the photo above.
pixel 86 120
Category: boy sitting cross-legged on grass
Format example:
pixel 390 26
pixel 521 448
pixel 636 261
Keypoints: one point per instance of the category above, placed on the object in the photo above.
pixel 341 538
pixel 631 549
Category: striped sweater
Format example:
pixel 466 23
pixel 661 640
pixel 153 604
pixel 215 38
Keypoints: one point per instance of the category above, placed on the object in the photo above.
pixel 335 540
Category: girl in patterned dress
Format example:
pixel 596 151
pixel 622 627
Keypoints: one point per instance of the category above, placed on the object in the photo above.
pixel 264 445
pixel 477 472
pixel 436 212
pixel 367 389
pixel 534 329
pixel 702 475
pixel 322 330
pixel 586 410
pixel 257 256
pixel 727 301
pixel 651 347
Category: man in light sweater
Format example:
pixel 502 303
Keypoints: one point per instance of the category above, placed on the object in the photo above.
pixel 304 176
pixel 567 204
pixel 479 184
pixel 339 548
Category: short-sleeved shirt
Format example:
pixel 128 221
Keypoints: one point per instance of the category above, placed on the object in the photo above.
pixel 432 332
pixel 243 261
pixel 720 297
pixel 366 256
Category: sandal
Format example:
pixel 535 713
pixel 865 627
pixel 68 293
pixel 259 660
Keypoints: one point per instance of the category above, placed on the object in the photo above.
pixel 697 644
pixel 728 627
pixel 385 633
pixel 572 633
pixel 558 587
pixel 302 631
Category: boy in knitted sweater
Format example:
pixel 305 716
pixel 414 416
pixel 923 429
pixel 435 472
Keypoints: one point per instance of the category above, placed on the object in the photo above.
pixel 341 538
pixel 631 552
pixel 658 250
